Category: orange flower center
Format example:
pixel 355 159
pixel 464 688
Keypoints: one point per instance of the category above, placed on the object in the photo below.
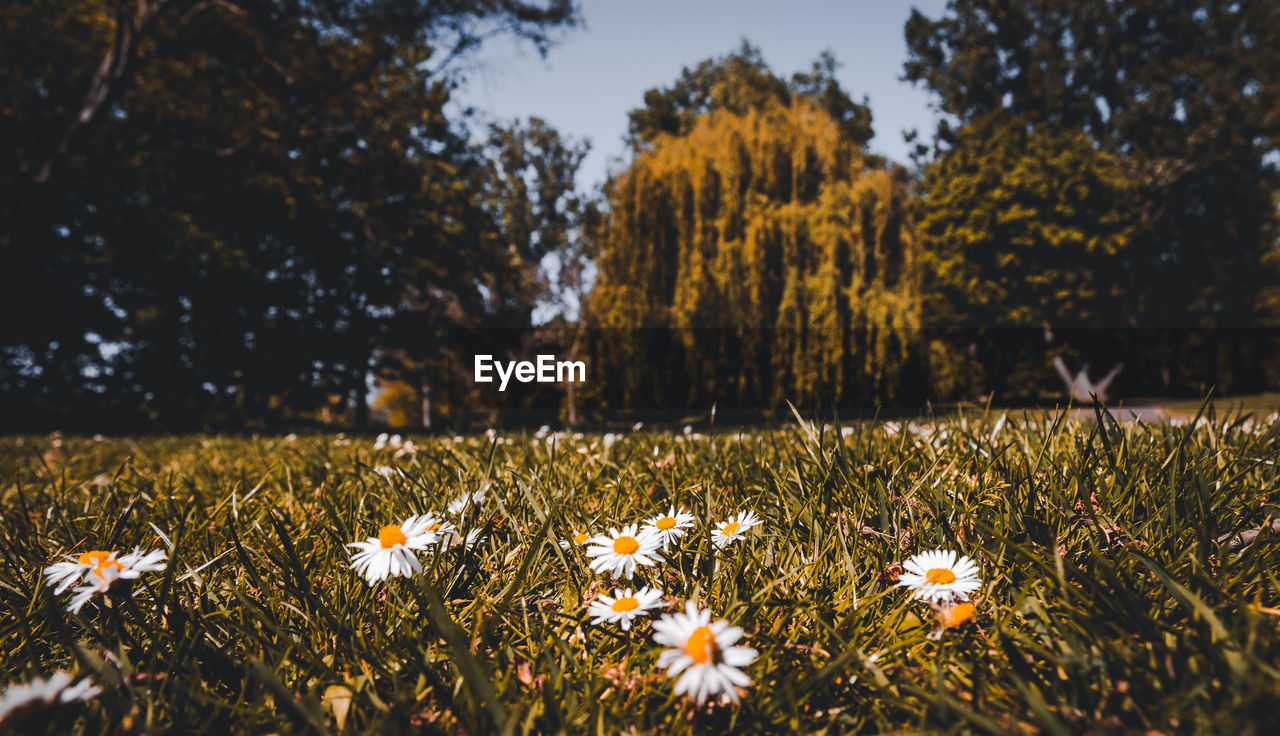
pixel 625 545
pixel 701 646
pixel 666 523
pixel 730 529
pixel 580 538
pixel 100 562
pixel 626 603
pixel 940 576
pixel 391 535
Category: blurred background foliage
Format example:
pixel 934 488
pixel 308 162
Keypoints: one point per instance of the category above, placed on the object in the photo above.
pixel 252 212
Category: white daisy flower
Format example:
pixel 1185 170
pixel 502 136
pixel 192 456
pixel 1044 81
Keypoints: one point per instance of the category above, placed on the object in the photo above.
pixel 670 526
pixel 728 532
pixel 577 540
pixel 85 593
pixel 459 504
pixel 702 653
pixel 64 574
pixel 618 553
pixel 104 565
pixel 445 530
pixel 392 552
pixel 624 605
pixel 939 576
pixel 98 570
pixel 56 688
pixel 472 538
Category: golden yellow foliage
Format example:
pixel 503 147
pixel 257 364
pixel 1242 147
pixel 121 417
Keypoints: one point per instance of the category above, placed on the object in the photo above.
pixel 402 402
pixel 782 236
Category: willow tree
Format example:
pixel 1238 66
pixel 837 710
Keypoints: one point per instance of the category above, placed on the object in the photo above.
pixel 775 249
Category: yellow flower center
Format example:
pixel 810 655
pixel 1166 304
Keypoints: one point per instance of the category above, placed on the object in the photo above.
pixel 580 538
pixel 625 545
pixel 626 603
pixel 702 645
pixel 100 562
pixel 730 529
pixel 666 523
pixel 940 576
pixel 391 535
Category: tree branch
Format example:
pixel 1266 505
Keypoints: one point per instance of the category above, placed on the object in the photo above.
pixel 104 85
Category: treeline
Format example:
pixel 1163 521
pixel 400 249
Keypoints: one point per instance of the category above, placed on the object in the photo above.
pixel 252 213
pixel 1101 189
pixel 231 213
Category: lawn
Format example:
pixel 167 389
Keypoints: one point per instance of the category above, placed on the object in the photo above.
pixel 1123 586
pixel 1264 403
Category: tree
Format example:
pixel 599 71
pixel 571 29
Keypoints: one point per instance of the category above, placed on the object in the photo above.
pixel 742 81
pixel 524 186
pixel 1026 227
pixel 529 187
pixel 213 205
pixel 1030 228
pixel 1182 93
pixel 778 254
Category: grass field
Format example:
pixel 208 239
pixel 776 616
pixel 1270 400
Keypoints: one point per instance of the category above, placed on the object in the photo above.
pixel 1261 404
pixel 1123 589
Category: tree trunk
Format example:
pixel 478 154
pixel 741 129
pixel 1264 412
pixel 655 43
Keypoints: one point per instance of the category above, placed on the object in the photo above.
pixel 426 404
pixel 359 401
pixel 571 387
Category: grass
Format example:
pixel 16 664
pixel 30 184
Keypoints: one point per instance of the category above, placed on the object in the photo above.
pixel 1116 595
pixel 1264 403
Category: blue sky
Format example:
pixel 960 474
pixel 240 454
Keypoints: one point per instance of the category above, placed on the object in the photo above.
pixel 601 70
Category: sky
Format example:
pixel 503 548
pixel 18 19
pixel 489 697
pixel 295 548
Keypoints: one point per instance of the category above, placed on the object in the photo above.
pixel 601 69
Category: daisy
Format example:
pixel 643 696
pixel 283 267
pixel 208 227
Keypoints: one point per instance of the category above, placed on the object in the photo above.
pixel 104 565
pixel 439 526
pixel 619 553
pixel 384 440
pixel 98 570
pixel 85 593
pixel 939 576
pixel 472 538
pixel 391 553
pixel 457 505
pixel 64 574
pixel 58 687
pixel 445 531
pixel 577 540
pixel 624 605
pixel 728 532
pixel 702 653
pixel 670 526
